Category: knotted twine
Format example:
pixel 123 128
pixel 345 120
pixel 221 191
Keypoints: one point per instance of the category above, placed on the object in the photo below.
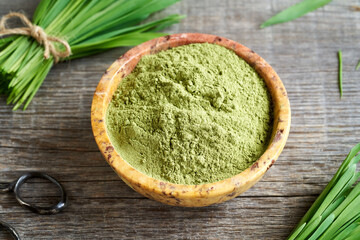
pixel 37 33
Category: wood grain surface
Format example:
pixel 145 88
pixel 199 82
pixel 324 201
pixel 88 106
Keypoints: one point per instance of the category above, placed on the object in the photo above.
pixel 54 135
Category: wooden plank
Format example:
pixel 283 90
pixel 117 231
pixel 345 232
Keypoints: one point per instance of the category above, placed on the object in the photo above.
pixel 54 134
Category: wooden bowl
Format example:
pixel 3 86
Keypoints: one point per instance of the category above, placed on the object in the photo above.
pixel 189 195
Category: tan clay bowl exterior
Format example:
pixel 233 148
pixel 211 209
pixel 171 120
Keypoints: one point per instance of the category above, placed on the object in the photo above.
pixel 189 195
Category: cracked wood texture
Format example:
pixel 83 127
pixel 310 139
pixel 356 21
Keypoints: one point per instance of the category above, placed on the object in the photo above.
pixel 54 134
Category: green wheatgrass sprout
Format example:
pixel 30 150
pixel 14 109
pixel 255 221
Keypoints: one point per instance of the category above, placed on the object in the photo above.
pixel 357 66
pixel 340 73
pixel 336 212
pixel 89 26
pixel 295 11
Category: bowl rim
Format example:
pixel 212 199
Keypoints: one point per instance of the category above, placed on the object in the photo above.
pixel 131 176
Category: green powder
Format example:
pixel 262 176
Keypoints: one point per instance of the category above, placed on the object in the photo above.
pixel 190 115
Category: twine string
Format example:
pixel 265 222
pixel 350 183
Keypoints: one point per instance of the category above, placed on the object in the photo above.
pixel 37 33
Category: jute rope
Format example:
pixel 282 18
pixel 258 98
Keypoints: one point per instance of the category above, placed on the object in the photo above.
pixel 37 33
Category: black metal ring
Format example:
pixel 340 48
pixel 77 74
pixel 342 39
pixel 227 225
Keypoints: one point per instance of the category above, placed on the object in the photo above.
pixel 10 229
pixel 40 210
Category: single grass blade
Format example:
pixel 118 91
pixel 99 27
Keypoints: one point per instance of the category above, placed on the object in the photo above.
pixel 52 12
pixel 41 10
pixel 337 189
pixel 297 232
pixel 309 228
pixel 351 196
pixel 333 206
pixel 354 235
pixel 139 28
pixel 347 231
pixel 295 11
pixel 340 73
pixel 124 40
pixel 347 228
pixel 323 226
pixel 358 66
pixel 349 213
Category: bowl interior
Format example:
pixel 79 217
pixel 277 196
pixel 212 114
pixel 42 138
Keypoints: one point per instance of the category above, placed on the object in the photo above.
pixel 126 63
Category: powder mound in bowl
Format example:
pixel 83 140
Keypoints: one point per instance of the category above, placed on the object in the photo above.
pixel 193 114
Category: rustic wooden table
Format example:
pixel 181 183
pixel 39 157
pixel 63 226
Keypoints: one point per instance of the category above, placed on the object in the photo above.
pixel 54 135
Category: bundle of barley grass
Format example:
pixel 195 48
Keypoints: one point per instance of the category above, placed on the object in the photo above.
pixel 87 26
pixel 335 215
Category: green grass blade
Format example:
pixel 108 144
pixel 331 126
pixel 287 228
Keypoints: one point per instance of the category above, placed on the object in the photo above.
pixel 346 215
pixel 340 73
pixel 12 62
pixel 52 12
pixel 64 17
pixel 352 195
pixel 164 25
pixel 100 20
pixel 358 66
pixel 338 187
pixel 346 232
pixel 105 22
pixel 10 49
pixel 347 228
pixel 169 20
pixel 85 54
pixel 31 53
pixel 87 11
pixel 41 10
pixel 295 11
pixel 323 226
pixel 354 235
pixel 121 41
pixel 6 41
pixel 27 70
pixel 28 85
pixel 297 232
pixel 333 206
pixel 40 79
pixel 22 85
pixel 4 82
pixel 309 228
